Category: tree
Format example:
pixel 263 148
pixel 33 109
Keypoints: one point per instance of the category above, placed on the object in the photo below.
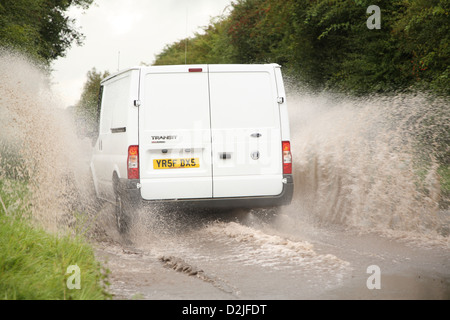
pixel 424 34
pixel 327 44
pixel 212 45
pixel 40 28
pixel 86 108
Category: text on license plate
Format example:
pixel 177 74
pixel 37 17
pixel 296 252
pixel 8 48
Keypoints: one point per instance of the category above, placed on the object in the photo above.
pixel 176 163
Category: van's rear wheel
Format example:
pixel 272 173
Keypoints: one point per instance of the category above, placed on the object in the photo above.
pixel 122 218
pixel 122 209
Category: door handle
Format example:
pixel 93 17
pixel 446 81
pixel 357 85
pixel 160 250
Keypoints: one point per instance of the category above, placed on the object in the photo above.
pixel 256 135
pixel 224 155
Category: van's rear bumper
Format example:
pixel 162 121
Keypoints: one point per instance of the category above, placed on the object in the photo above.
pixel 132 193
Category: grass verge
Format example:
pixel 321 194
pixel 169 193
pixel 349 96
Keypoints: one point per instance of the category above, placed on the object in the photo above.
pixel 34 264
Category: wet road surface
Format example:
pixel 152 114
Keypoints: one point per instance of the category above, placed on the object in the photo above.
pixel 242 255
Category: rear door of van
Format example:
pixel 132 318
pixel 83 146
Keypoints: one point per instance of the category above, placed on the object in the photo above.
pixel 116 130
pixel 209 132
pixel 175 133
pixel 245 129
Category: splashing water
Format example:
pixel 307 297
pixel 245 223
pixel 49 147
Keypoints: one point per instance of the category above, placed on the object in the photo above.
pixel 365 163
pixel 39 135
pixel 371 163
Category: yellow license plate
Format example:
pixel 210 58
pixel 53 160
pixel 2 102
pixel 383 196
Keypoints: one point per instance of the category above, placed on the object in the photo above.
pixel 176 163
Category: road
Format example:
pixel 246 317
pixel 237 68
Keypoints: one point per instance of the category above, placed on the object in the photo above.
pixel 242 255
pixel 358 206
pixel 367 197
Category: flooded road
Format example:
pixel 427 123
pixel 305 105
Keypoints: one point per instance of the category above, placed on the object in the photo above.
pixel 362 224
pixel 369 219
pixel 242 256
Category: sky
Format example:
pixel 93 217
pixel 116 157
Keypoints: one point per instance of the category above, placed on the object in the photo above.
pixel 124 33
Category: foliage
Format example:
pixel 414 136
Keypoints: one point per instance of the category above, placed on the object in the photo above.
pixel 424 35
pixel 326 43
pixel 33 263
pixel 86 109
pixel 40 28
pixel 209 46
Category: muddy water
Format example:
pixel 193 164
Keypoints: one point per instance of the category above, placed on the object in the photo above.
pixel 358 203
pixel 369 163
pixel 244 256
pixel 40 145
pixel 366 193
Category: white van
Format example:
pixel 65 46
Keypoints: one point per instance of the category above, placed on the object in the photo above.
pixel 209 135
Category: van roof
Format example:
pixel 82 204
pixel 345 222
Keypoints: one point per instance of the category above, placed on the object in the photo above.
pixel 227 66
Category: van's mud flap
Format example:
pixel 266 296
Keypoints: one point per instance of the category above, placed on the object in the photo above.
pixel 129 190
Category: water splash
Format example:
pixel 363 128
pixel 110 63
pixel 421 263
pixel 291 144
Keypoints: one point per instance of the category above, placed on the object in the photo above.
pixel 43 149
pixel 371 163
pixel 366 163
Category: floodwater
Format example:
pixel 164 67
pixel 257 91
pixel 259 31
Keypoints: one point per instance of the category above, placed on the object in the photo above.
pixel 368 220
pixel 245 259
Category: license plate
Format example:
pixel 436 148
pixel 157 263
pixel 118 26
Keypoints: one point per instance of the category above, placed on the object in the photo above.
pixel 176 163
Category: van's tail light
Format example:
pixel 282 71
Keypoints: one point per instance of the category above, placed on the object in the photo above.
pixel 133 162
pixel 287 157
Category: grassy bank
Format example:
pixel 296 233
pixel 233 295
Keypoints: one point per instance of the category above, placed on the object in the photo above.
pixel 34 264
